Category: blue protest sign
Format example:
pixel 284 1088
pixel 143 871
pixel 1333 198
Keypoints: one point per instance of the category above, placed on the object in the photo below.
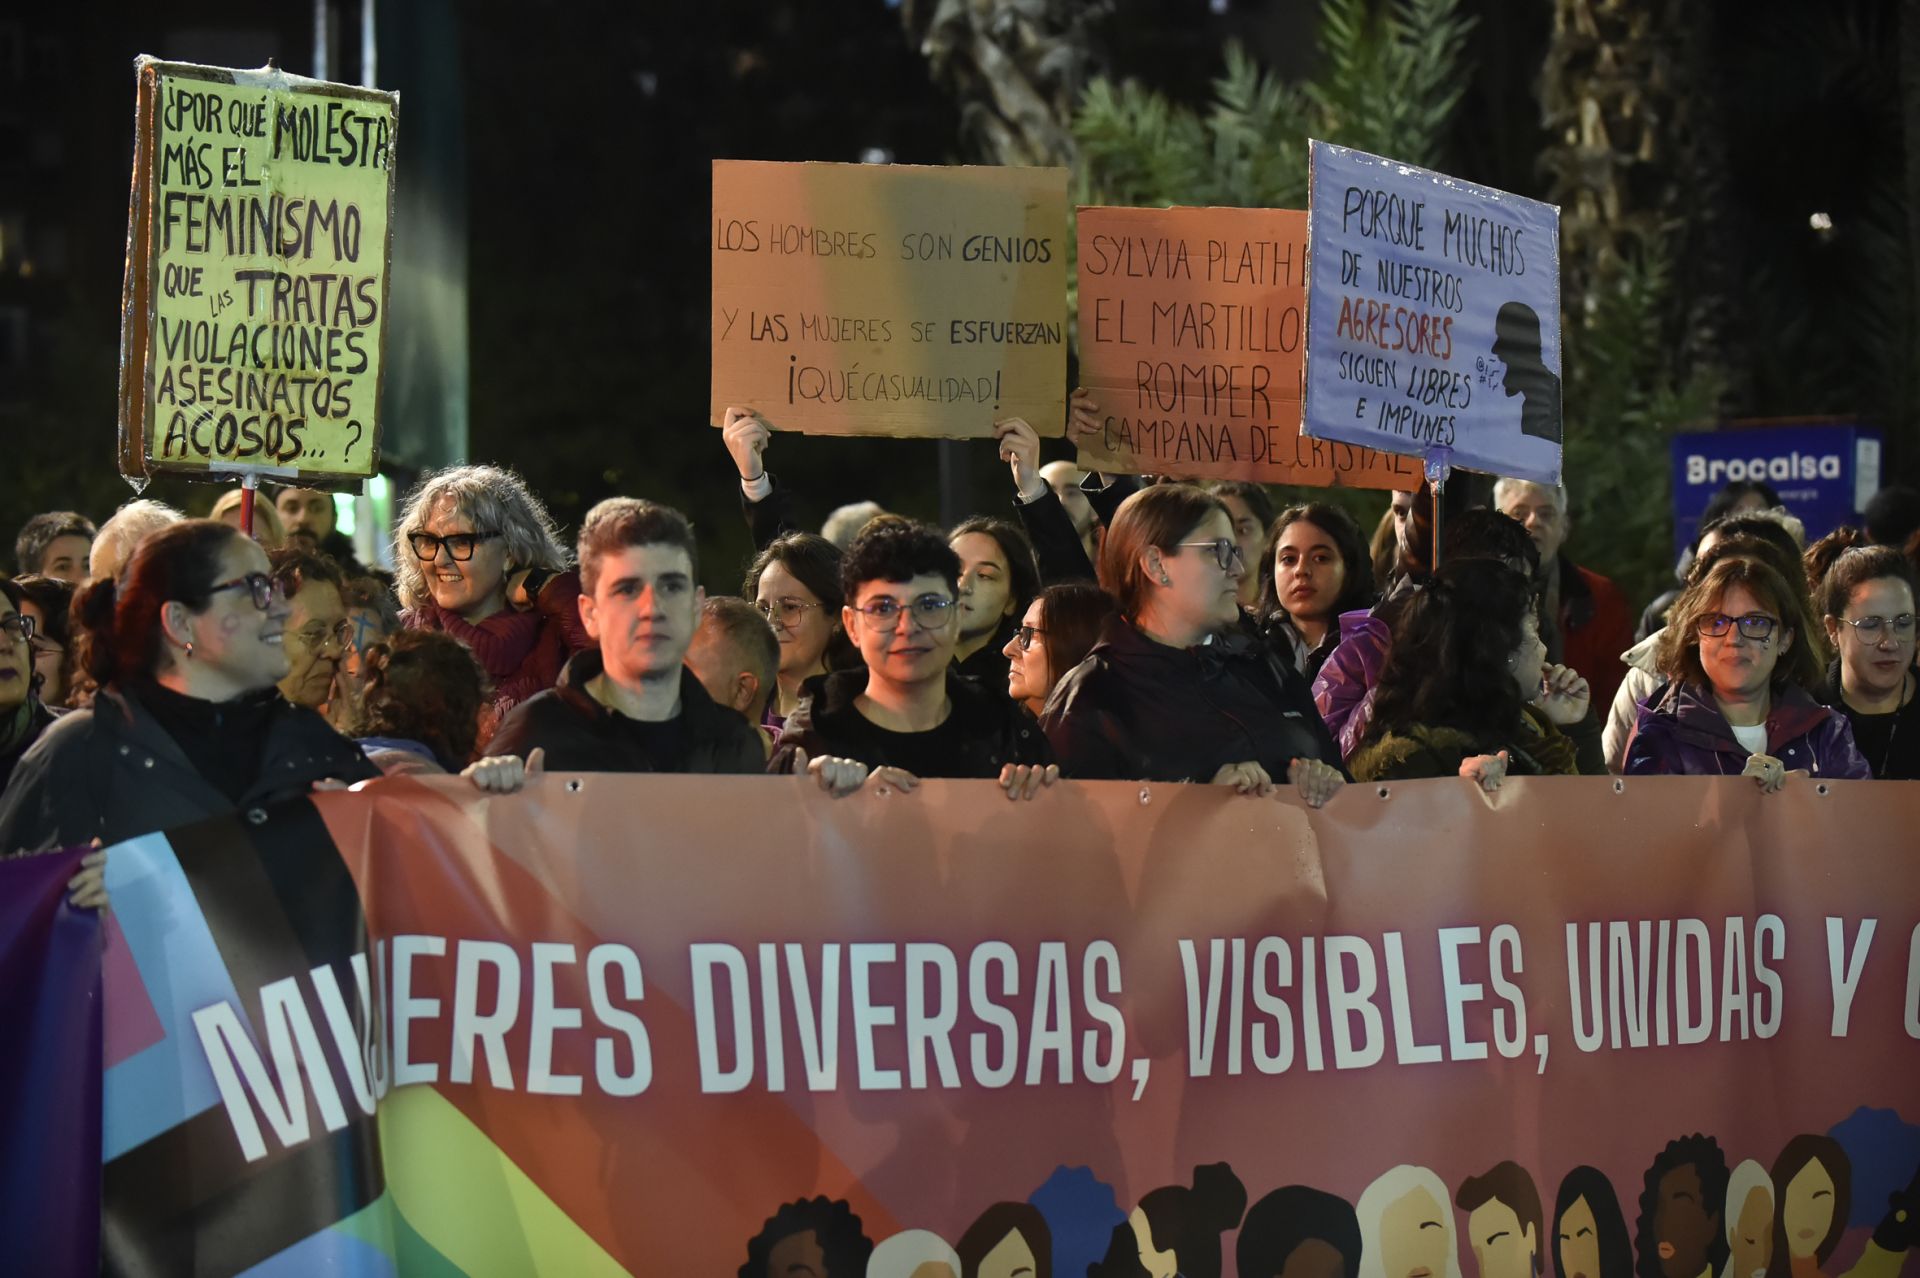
pixel 1433 316
pixel 1824 472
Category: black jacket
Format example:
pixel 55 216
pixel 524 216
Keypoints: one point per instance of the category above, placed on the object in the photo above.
pixel 985 730
pixel 113 772
pixel 38 719
pixel 581 735
pixel 1057 550
pixel 1137 710
pixel 1890 743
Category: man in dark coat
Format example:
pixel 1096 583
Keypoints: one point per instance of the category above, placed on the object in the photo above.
pixel 631 705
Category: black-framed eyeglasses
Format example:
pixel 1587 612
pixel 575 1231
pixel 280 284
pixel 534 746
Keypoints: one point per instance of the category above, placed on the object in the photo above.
pixel 318 636
pixel 1757 626
pixel 931 611
pixel 19 625
pixel 426 546
pixel 1226 552
pixel 785 612
pixel 1024 637
pixel 263 588
pixel 1875 629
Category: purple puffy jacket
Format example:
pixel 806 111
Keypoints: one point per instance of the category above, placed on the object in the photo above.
pixel 1343 690
pixel 1683 733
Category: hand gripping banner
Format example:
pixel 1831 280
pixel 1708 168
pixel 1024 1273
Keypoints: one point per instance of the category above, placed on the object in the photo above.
pixel 1660 1028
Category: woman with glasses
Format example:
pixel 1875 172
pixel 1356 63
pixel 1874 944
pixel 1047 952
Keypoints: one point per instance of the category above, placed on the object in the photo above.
pixel 477 556
pixel 48 603
pixel 795 584
pixel 187 649
pixel 1181 688
pixel 1741 656
pixel 908 713
pixel 318 630
pixel 1059 630
pixel 1868 600
pixel 23 715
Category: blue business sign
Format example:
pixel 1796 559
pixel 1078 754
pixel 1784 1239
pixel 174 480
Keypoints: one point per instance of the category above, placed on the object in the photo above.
pixel 1823 471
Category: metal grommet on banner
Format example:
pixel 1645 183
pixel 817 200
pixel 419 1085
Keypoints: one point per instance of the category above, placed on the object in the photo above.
pixel 1382 792
pixel 1146 796
pixel 574 786
pixel 1822 789
pixel 1619 786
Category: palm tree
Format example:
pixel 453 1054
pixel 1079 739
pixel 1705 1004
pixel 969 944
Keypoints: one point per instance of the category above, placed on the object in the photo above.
pixel 1015 67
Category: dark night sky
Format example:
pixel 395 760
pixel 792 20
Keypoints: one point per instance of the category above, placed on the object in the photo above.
pixel 589 131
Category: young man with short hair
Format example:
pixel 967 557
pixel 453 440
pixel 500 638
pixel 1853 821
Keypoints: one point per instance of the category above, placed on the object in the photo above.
pixel 908 714
pixel 54 544
pixel 631 705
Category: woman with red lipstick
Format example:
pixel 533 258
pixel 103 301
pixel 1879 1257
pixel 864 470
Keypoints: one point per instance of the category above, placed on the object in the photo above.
pixel 1313 567
pixel 1868 599
pixel 188 724
pixel 1741 657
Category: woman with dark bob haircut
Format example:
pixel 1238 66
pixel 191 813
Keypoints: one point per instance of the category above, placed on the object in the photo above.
pixel 1467 691
pixel 1314 566
pixel 1181 687
pixel 795 583
pixel 186 648
pixel 1061 626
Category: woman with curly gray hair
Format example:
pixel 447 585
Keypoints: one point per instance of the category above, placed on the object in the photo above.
pixel 478 557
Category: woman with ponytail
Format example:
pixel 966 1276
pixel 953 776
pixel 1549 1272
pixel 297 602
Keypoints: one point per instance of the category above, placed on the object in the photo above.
pixel 188 723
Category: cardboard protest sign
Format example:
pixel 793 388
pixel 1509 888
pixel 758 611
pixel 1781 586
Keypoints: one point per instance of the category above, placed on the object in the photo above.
pixel 1192 342
pixel 1433 316
pixel 863 299
pixel 254 313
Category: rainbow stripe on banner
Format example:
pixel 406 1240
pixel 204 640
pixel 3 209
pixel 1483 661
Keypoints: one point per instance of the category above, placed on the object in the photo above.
pixel 217 977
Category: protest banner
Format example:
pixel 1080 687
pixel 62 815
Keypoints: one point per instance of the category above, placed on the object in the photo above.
pixel 871 299
pixel 49 1070
pixel 1192 337
pixel 622 1025
pixel 254 311
pixel 1433 316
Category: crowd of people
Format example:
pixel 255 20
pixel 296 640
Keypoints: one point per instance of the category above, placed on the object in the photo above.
pixel 160 669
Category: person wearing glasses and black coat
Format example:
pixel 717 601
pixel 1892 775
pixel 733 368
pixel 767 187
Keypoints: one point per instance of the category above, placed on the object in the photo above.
pixel 188 724
pixel 907 713
pixel 1182 687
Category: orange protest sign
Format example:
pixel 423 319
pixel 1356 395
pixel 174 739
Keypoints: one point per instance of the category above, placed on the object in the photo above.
pixel 865 299
pixel 1193 344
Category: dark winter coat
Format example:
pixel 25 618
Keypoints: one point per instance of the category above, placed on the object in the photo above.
pixel 1143 711
pixel 1895 752
pixel 113 772
pixel 1683 733
pixel 581 735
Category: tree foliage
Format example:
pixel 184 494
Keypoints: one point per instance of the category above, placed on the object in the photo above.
pixel 1390 79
